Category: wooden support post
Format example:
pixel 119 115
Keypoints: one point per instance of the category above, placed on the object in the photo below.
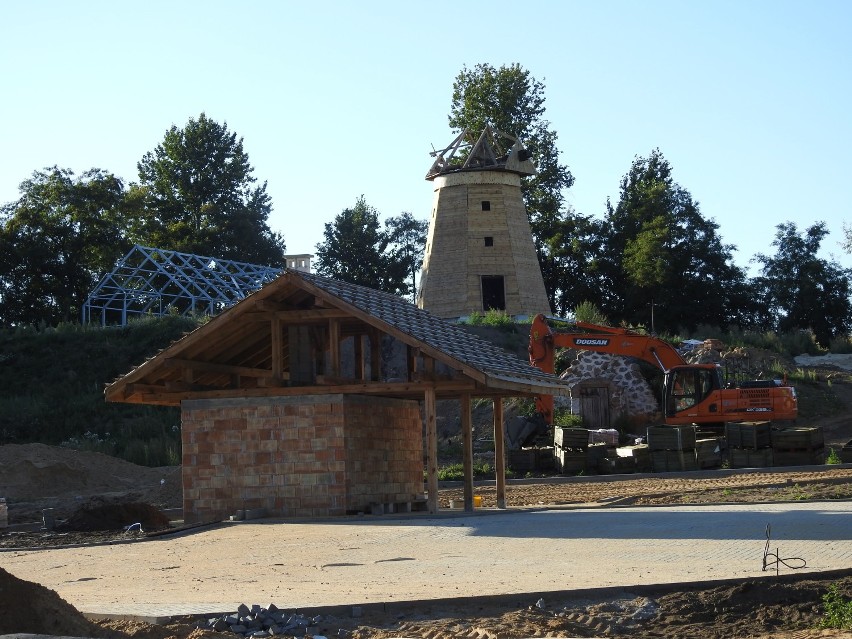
pixel 277 348
pixel 334 346
pixel 431 450
pixel 360 357
pixel 467 450
pixel 375 355
pixel 413 353
pixel 499 455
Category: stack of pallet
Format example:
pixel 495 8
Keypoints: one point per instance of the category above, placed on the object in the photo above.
pixel 627 459
pixel 846 453
pixel 596 456
pixel 798 447
pixel 672 448
pixel 709 451
pixel 570 447
pixel 531 460
pixel 749 444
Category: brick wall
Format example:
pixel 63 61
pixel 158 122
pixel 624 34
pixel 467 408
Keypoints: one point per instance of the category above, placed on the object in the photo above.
pixel 300 456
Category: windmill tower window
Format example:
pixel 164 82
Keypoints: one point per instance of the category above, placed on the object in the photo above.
pixel 489 241
pixel 486 205
pixel 493 293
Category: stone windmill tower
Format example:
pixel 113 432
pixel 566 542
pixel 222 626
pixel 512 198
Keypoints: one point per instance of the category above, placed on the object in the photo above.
pixel 479 252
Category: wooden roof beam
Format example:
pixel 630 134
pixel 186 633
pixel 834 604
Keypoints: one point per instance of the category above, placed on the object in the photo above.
pixel 225 369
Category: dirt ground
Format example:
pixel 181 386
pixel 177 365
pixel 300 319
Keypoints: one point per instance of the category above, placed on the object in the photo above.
pixel 99 499
pixel 785 607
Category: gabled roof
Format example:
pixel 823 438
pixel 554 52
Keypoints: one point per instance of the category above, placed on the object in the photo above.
pixel 238 353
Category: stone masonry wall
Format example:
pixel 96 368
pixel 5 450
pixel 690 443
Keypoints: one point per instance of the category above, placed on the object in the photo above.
pixel 293 456
pixel 632 396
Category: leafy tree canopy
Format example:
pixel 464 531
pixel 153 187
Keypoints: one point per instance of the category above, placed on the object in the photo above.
pixel 196 194
pixel 356 250
pixel 56 241
pixel 661 251
pixel 512 100
pixel 802 290
pixel 407 242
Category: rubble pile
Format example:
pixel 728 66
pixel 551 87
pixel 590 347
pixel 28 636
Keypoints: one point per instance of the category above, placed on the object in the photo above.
pixel 257 621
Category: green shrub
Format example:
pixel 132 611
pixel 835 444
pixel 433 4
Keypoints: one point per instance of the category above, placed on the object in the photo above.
pixel 799 342
pixel 492 318
pixel 838 611
pixel 841 344
pixel 589 312
pixel 832 457
pixel 563 419
pixel 455 472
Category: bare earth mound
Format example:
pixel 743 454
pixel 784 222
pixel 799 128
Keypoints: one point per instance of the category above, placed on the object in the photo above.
pixel 31 608
pixel 35 476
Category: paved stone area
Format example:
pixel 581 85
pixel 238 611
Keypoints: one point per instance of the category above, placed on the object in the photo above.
pixel 385 559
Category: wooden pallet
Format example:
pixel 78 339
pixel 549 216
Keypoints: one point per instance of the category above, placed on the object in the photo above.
pixel 525 460
pixel 595 453
pixel 668 461
pixel 570 461
pixel 571 437
pixel 616 465
pixel 798 456
pixel 846 453
pixel 640 454
pixel 798 438
pixel 751 435
pixel 750 458
pixel 671 438
pixel 709 452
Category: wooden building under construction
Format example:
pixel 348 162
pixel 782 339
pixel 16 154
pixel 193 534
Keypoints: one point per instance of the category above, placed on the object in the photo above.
pixel 479 252
pixel 311 397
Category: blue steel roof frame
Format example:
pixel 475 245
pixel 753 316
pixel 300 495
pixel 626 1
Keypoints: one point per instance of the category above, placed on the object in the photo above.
pixel 151 281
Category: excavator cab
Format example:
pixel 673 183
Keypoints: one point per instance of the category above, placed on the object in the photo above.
pixel 686 387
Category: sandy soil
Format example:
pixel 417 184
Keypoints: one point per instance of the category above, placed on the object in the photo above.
pixel 35 477
pixel 787 608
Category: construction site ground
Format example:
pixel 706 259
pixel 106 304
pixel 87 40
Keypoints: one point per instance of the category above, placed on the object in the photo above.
pixel 593 566
pixel 667 555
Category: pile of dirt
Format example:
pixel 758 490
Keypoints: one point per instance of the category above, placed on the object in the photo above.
pixel 112 514
pixel 34 477
pixel 36 471
pixel 26 607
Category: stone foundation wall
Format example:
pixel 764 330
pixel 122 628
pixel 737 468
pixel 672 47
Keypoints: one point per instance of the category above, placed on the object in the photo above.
pixel 301 456
pixel 630 394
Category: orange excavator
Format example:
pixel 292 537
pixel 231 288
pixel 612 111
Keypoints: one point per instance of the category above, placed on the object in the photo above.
pixel 692 393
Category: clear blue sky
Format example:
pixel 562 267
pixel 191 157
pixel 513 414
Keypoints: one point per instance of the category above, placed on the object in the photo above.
pixel 749 101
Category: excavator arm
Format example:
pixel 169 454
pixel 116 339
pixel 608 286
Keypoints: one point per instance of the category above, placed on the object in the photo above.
pixel 601 339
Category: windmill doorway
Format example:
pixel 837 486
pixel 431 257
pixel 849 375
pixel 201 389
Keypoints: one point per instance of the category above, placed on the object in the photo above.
pixel 493 293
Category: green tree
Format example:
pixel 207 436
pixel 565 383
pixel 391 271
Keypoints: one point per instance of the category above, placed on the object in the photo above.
pixel 804 291
pixel 356 250
pixel 661 253
pixel 573 265
pixel 407 237
pixel 512 100
pixel 196 194
pixel 56 241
